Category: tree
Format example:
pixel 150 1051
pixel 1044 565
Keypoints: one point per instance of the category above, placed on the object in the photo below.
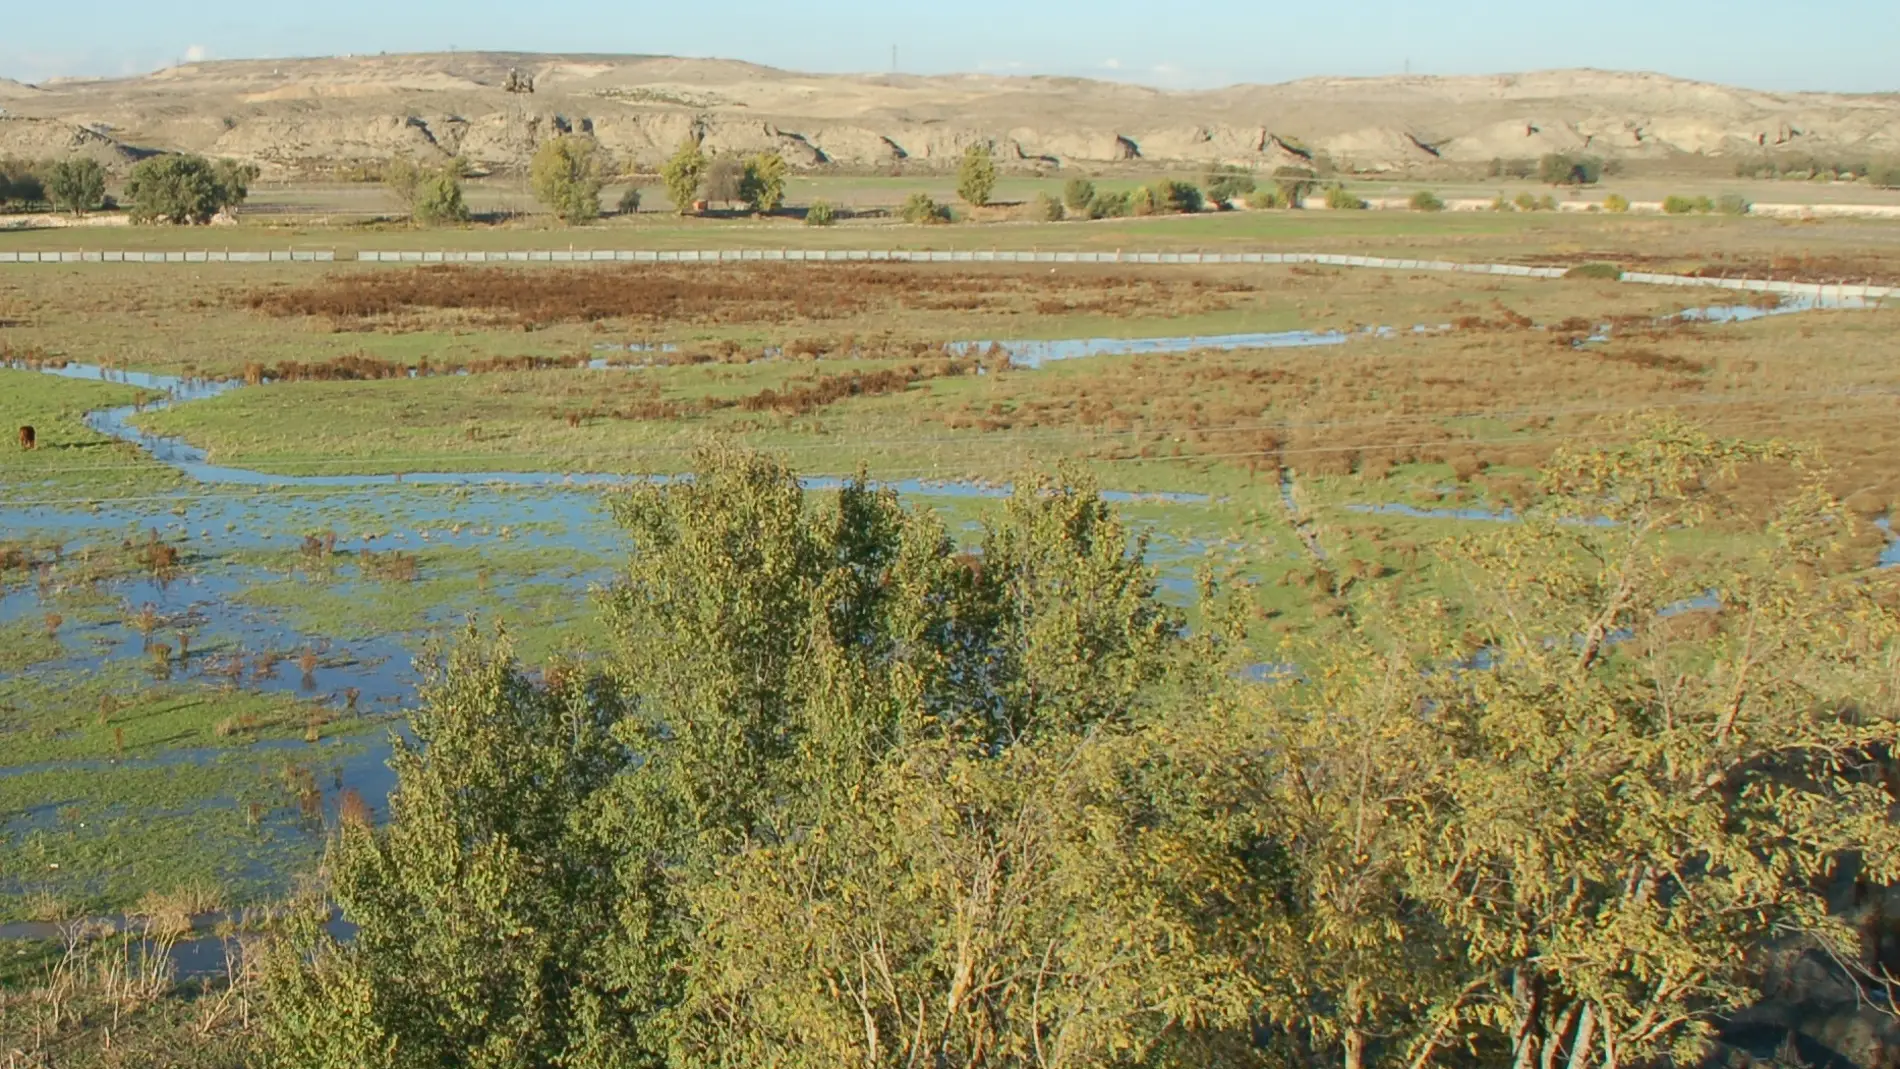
pixel 76 185
pixel 682 174
pixel 1590 833
pixel 1295 185
pixel 1558 169
pixel 725 180
pixel 1227 183
pixel 186 190
pixel 403 177
pixel 763 185
pixel 1108 205
pixel 439 200
pixel 483 907
pixel 568 173
pixel 20 183
pixel 1078 194
pixel 1885 175
pixel 976 176
pixel 1049 209
pixel 1178 197
pixel 629 201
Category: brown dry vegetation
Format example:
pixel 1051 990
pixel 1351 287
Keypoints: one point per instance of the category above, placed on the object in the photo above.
pixel 1848 268
pixel 727 294
pixel 1490 396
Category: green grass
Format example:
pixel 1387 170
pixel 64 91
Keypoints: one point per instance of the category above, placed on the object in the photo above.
pixel 73 461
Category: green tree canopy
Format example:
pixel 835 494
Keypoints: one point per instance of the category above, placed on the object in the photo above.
pixel 763 185
pixel 186 190
pixel 568 173
pixel 976 176
pixel 76 185
pixel 847 793
pixel 682 174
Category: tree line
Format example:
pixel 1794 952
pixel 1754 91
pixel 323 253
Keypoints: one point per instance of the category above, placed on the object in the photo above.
pixel 847 793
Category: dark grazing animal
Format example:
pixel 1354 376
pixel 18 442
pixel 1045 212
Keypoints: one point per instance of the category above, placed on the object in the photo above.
pixel 28 440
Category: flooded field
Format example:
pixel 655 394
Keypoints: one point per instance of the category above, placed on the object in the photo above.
pixel 228 659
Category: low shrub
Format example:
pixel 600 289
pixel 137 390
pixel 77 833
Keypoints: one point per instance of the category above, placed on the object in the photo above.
pixel 1110 206
pixel 821 213
pixel 1525 202
pixel 629 201
pixel 921 210
pixel 1499 204
pixel 1734 204
pixel 1339 198
pixel 1675 205
pixel 1047 209
pixel 1261 199
pixel 1427 201
pixel 1617 203
pixel 1885 175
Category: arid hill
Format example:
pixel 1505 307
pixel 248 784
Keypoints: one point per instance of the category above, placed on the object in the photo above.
pixel 318 114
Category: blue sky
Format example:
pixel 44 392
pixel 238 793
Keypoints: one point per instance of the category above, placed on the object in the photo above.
pixel 1848 45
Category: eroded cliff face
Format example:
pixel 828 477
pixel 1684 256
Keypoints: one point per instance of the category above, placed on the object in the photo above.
pixel 312 115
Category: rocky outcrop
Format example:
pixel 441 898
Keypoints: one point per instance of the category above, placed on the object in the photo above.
pixel 294 115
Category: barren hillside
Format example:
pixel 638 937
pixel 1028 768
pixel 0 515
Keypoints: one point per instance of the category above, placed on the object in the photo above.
pixel 294 115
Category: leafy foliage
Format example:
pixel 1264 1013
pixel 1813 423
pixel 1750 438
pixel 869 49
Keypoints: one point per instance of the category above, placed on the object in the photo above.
pixel 1108 205
pixel 821 213
pixel 763 185
pixel 919 209
pixel 682 174
pixel 186 190
pixel 976 176
pixel 20 183
pixel 1339 198
pixel 724 181
pixel 1616 203
pixel 1078 194
pixel 1427 201
pixel 1560 169
pixel 1048 209
pixel 1226 183
pixel 482 909
pixel 76 185
pixel 439 199
pixel 568 173
pixel 896 803
pixel 1295 184
pixel 629 203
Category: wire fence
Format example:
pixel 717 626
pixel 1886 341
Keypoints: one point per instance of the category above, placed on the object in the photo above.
pixel 1843 292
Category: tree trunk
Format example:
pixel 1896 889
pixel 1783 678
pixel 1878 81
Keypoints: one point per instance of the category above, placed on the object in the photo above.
pixel 1355 1049
pixel 1524 1002
pixel 1586 1039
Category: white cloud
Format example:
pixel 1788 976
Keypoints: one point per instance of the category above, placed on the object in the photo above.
pixel 197 54
pixel 1112 64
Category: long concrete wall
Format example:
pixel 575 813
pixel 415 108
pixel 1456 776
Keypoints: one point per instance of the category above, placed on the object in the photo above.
pixel 1811 290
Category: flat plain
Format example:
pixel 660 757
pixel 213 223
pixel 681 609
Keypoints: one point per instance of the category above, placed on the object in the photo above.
pixel 208 629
